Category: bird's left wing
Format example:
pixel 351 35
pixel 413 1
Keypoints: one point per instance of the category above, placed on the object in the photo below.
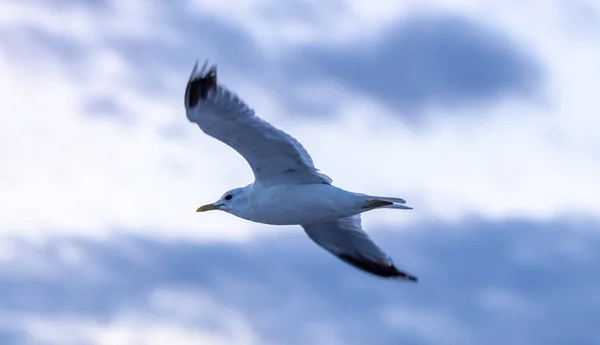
pixel 345 239
pixel 274 156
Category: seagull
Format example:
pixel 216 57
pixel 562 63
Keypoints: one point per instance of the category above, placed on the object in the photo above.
pixel 287 188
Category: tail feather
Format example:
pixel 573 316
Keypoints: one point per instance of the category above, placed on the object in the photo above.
pixel 376 203
pixel 398 206
pixel 385 198
pixel 385 202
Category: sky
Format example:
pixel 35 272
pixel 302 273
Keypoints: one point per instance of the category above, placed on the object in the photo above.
pixel 481 114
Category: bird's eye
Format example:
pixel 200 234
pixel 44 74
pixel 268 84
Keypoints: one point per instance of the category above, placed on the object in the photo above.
pixel 228 197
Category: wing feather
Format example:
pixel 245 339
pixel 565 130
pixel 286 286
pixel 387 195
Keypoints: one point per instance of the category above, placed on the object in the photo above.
pixel 274 156
pixel 346 239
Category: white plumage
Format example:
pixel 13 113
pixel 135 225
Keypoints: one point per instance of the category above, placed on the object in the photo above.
pixel 288 189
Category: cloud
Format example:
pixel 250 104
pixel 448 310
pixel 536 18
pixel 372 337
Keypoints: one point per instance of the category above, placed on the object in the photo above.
pixel 92 123
pixel 132 327
pixel 101 173
pixel 437 60
pixel 477 280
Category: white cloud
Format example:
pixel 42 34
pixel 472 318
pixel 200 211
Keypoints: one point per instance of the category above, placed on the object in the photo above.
pixel 65 172
pixel 160 325
pixel 432 326
pixel 501 300
pixel 276 26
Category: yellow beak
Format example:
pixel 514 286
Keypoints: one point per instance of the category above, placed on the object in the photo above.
pixel 208 207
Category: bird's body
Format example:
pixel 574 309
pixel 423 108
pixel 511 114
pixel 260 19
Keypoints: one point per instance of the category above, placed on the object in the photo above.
pixel 293 204
pixel 299 204
pixel 288 189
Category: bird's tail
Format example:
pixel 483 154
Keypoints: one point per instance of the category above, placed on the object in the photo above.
pixel 374 202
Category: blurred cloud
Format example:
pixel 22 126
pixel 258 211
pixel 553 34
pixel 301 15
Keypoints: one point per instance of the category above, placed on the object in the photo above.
pixel 74 74
pixel 104 107
pixel 478 279
pixel 430 60
pixel 101 172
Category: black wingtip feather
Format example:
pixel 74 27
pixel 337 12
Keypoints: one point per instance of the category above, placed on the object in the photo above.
pixel 199 87
pixel 386 271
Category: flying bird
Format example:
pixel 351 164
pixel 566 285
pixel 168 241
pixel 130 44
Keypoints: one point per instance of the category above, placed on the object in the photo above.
pixel 287 188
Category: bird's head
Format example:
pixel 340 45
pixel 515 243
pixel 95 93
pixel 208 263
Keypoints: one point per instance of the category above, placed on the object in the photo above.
pixel 232 201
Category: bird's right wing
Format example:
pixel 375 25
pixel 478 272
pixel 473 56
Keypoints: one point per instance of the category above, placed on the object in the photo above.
pixel 274 156
pixel 345 239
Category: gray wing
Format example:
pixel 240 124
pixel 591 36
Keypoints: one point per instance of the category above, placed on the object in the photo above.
pixel 274 156
pixel 345 239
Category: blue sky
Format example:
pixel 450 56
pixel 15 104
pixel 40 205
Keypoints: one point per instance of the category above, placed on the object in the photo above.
pixel 481 114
